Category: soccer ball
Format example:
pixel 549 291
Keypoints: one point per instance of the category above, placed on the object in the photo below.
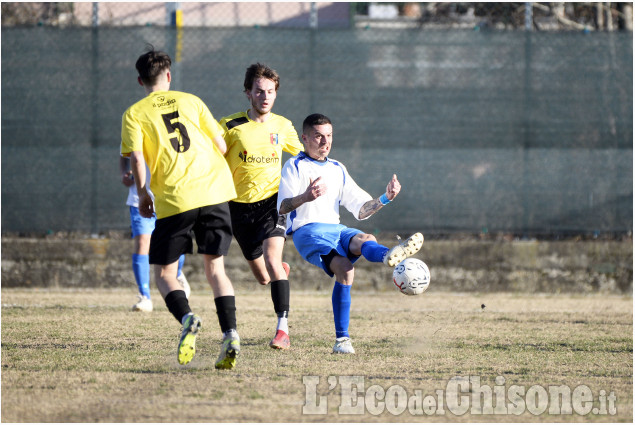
pixel 411 276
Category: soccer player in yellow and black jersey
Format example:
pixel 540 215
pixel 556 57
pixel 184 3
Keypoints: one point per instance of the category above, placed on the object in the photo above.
pixel 255 141
pixel 183 146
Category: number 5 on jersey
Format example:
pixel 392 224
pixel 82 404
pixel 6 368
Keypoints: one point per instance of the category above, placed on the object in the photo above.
pixel 179 145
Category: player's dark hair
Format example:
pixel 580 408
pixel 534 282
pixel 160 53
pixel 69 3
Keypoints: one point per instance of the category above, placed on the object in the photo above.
pixel 258 70
pixel 313 120
pixel 151 64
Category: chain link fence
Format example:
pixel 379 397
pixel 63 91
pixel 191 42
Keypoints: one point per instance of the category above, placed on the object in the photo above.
pixel 496 117
pixel 588 16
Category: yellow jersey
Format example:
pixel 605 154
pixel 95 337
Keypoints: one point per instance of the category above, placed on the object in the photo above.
pixel 254 153
pixel 174 130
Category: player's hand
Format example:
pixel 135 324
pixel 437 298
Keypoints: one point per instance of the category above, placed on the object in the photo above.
pixel 315 190
pixel 146 205
pixel 127 179
pixel 393 188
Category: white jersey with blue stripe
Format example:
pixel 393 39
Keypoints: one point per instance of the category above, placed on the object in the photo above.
pixel 298 173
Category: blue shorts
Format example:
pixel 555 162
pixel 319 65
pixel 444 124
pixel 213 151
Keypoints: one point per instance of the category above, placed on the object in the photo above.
pixel 317 240
pixel 141 225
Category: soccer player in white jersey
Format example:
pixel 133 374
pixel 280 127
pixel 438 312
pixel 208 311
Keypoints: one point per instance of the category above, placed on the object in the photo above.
pixel 141 229
pixel 312 188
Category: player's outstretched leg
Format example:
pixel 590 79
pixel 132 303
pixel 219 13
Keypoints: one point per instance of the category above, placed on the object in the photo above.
pixel 229 350
pixel 405 249
pixel 187 344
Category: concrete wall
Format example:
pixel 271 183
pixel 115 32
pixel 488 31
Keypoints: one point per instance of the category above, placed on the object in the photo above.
pixel 455 265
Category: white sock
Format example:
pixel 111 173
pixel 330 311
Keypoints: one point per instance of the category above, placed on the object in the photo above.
pixel 282 325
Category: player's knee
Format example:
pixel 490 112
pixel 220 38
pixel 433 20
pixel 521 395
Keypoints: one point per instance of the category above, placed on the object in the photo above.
pixel 365 237
pixel 355 246
pixel 347 277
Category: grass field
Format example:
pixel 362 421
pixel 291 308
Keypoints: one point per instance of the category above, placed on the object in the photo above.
pixel 83 357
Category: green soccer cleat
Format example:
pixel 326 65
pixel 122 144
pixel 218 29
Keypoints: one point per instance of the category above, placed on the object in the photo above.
pixel 187 344
pixel 229 350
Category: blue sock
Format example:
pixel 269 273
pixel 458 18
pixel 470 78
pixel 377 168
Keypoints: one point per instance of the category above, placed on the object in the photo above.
pixel 181 261
pixel 373 252
pixel 341 300
pixel 141 270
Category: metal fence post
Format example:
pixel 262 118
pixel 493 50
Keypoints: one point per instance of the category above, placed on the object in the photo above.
pixel 94 130
pixel 313 16
pixel 176 21
pixel 95 14
pixel 529 15
pixel 313 24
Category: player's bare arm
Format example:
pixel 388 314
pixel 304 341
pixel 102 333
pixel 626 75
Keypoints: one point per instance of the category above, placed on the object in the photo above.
pixel 138 167
pixel 220 143
pixel 371 207
pixel 314 191
pixel 126 173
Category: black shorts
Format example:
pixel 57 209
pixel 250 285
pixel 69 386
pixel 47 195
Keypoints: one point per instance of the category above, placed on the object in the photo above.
pixel 254 222
pixel 171 236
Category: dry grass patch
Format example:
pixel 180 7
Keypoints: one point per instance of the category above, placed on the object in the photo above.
pixel 83 357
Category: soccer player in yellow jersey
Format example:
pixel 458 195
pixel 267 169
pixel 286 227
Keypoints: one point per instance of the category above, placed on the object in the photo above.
pixel 183 146
pixel 255 141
